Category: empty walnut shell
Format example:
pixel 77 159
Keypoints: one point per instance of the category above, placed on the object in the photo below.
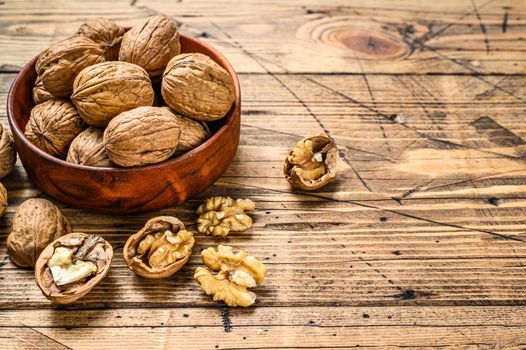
pixel 312 163
pixel 197 87
pixel 7 152
pixel 53 125
pixel 40 94
pixel 59 65
pixel 3 199
pixel 86 248
pixel 139 263
pixel 36 223
pixel 151 44
pixel 144 135
pixel 88 149
pixel 104 90
pixel 105 33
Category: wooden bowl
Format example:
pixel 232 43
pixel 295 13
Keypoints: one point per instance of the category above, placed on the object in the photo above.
pixel 126 190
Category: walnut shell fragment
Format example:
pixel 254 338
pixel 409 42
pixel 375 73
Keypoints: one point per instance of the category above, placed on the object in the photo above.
pixel 312 163
pixel 53 125
pixel 40 94
pixel 235 273
pixel 3 199
pixel 104 90
pixel 144 135
pixel 105 33
pixel 36 223
pixel 151 44
pixel 60 269
pixel 59 65
pixel 160 248
pixel 219 216
pixel 197 87
pixel 88 149
pixel 7 152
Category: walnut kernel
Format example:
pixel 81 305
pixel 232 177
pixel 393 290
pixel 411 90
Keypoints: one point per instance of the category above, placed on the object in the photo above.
pixel 219 216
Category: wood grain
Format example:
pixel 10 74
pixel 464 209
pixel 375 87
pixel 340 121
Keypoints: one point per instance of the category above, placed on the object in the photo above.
pixel 418 243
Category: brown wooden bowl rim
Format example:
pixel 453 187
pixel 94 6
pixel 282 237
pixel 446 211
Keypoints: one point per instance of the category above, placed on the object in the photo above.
pixel 228 119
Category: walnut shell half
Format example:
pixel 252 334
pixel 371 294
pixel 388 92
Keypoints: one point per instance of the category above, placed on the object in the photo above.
pixel 105 33
pixel 53 125
pixel 59 65
pixel 36 223
pixel 88 149
pixel 85 248
pixel 7 152
pixel 144 135
pixel 197 87
pixel 312 163
pixel 151 44
pixel 160 248
pixel 104 90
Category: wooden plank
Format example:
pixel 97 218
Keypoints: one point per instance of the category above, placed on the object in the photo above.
pixel 345 36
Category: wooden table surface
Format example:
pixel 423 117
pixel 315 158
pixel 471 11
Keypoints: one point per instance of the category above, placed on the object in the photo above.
pixel 419 243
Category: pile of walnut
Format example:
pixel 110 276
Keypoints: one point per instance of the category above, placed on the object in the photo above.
pixel 68 265
pixel 106 97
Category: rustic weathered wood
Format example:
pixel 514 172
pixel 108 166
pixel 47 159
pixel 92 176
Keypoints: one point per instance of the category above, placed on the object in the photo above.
pixel 420 242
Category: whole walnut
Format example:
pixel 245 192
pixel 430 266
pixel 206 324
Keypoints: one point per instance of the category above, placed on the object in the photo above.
pixel 3 199
pixel 7 151
pixel 105 33
pixel 59 65
pixel 40 94
pixel 197 87
pixel 102 91
pixel 88 149
pixel 53 125
pixel 144 135
pixel 151 44
pixel 36 223
pixel 193 133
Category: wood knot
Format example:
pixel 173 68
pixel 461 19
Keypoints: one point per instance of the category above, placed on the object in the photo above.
pixel 374 45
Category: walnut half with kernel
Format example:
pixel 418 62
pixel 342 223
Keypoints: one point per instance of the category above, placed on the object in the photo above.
pixel 312 163
pixel 160 248
pixel 218 216
pixel 235 273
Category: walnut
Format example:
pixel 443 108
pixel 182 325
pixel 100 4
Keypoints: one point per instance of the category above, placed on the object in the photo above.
pixel 53 125
pixel 36 223
pixel 7 151
pixel 144 135
pixel 151 44
pixel 160 248
pixel 71 266
pixel 219 216
pixel 105 33
pixel 59 65
pixel 104 90
pixel 197 87
pixel 3 199
pixel 193 133
pixel 235 273
pixel 88 149
pixel 312 163
pixel 40 94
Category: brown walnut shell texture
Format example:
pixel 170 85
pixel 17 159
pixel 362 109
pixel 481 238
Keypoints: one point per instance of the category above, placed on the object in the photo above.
pixel 193 133
pixel 36 223
pixel 53 125
pixel 7 152
pixel 144 135
pixel 105 33
pixel 157 224
pixel 75 291
pixel 197 87
pixel 59 65
pixel 88 149
pixel 104 90
pixel 3 199
pixel 151 44
pixel 40 94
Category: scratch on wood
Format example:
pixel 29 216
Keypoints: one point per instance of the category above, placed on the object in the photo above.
pixel 505 22
pixel 482 26
pixel 227 322
pixel 48 337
